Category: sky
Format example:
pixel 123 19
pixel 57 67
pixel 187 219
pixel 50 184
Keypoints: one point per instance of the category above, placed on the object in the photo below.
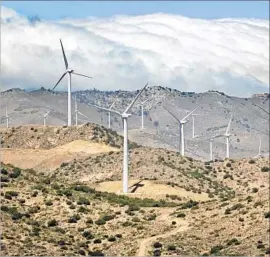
pixel 193 9
pixel 179 45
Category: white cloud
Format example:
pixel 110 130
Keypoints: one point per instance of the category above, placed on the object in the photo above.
pixel 123 52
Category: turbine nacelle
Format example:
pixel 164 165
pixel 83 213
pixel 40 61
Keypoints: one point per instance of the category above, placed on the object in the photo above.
pixel 69 70
pixel 125 115
pixel 183 121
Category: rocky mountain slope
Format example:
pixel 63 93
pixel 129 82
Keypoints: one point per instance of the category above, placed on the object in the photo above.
pixel 250 117
pixel 177 205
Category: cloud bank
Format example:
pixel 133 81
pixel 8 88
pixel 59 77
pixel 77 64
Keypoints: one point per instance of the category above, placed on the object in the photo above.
pixel 123 52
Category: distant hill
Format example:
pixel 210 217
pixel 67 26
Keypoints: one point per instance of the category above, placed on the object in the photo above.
pixel 250 118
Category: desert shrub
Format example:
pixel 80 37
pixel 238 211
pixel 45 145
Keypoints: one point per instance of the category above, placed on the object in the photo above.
pixel 111 239
pixel 181 215
pixel 11 194
pixel 189 204
pixel 237 206
pixel 233 241
pixel 83 209
pixel 216 249
pixel 83 188
pixel 157 245
pixel 97 241
pixel 127 224
pixel 49 203
pixel 35 193
pixel 228 164
pixel 96 253
pixel 267 215
pixel 83 200
pixel 136 219
pixel 228 211
pixel 100 222
pixel 254 190
pixel 16 215
pixel 88 234
pixel 118 235
pixel 171 248
pixel 52 223
pixel 265 169
pixel 16 172
pixel 64 164
pixel 74 218
pixel 108 217
pixel 173 222
pixel 4 179
pixel 89 221
pixel 4 171
pixel 81 252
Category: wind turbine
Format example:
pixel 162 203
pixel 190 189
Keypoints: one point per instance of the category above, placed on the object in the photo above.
pixel 227 136
pixel 260 145
pixel 77 112
pixel 193 125
pixel 211 146
pixel 181 123
pixel 109 115
pixel 44 118
pixel 142 112
pixel 125 115
pixel 69 72
pixel 7 117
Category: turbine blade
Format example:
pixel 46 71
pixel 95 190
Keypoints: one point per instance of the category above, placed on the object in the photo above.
pixel 135 99
pixel 105 109
pixel 81 75
pixel 64 55
pixel 83 115
pixel 229 125
pixel 47 113
pixel 190 113
pixel 59 81
pixel 145 101
pixel 171 113
pixel 112 105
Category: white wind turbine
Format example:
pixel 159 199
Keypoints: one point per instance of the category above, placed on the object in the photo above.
pixel 124 117
pixel 109 115
pixel 7 117
pixel 69 72
pixel 181 123
pixel 44 118
pixel 193 125
pixel 211 146
pixel 260 145
pixel 142 112
pixel 227 136
pixel 77 112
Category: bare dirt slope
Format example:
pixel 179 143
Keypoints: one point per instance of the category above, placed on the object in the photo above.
pixel 48 160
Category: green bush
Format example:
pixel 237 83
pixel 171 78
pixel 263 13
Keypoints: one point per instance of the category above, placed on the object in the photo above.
pixel 49 203
pixel 111 239
pixel 216 249
pixel 251 161
pixel 52 223
pixel 88 234
pixel 100 222
pixel 267 215
pixel 16 172
pixel 181 215
pixel 265 169
pixel 171 248
pixel 83 200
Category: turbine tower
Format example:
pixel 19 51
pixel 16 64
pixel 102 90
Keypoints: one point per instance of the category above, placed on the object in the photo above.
pixel 109 115
pixel 181 123
pixel 77 112
pixel 211 146
pixel 142 112
pixel 227 136
pixel 125 115
pixel 193 125
pixel 7 117
pixel 69 72
pixel 44 118
pixel 260 145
